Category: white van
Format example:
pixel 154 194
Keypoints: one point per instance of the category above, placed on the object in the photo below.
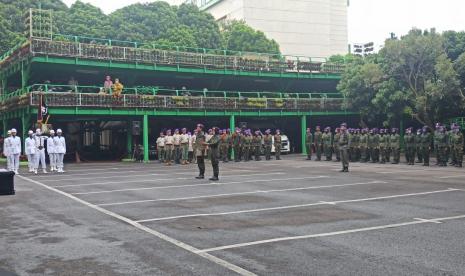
pixel 285 144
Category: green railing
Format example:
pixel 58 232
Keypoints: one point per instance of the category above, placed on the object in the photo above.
pixel 11 51
pixel 131 44
pixel 168 99
pixel 161 91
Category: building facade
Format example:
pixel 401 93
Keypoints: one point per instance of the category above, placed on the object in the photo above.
pixel 316 28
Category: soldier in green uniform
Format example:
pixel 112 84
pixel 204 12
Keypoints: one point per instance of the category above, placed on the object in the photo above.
pixel 268 141
pixel 200 150
pixel 425 141
pixel 441 142
pixel 351 144
pixel 409 146
pixel 363 142
pixel 337 151
pixel 457 145
pixel 230 146
pixel 213 145
pixel 436 136
pixel 357 145
pixel 418 146
pixel 449 152
pixel 318 140
pixel 257 145
pixel 376 137
pixel 394 144
pixel 236 142
pixel 224 144
pixel 277 144
pixel 247 145
pixel 383 145
pixel 343 147
pixel 388 145
pixel 308 143
pixel 328 143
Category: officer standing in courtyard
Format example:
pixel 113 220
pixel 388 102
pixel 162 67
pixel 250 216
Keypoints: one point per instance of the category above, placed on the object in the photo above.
pixel 308 143
pixel 344 147
pixel 213 144
pixel 200 144
pixel 277 144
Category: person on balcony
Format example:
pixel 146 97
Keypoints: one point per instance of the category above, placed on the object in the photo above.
pixel 117 89
pixel 108 84
pixel 72 85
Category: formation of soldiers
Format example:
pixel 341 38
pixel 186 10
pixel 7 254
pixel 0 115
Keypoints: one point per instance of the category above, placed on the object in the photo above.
pixel 384 145
pixel 180 147
pixel 36 146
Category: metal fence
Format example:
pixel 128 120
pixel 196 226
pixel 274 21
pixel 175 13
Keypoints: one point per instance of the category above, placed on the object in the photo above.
pixel 60 99
pixel 262 63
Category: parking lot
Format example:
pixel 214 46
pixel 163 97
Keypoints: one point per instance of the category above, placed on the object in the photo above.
pixel 289 217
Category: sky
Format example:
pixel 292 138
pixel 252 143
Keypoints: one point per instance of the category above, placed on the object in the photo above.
pixel 373 20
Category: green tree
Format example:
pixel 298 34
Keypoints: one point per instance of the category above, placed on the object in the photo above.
pixel 201 25
pixel 238 36
pixel 359 86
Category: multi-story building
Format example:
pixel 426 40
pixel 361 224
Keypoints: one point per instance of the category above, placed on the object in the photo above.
pixel 316 28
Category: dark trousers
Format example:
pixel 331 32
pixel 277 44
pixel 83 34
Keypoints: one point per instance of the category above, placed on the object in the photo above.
pixel 344 157
pixel 237 153
pixel 201 165
pixel 215 163
pixel 309 151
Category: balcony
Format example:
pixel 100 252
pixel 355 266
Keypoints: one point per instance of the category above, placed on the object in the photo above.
pixel 62 96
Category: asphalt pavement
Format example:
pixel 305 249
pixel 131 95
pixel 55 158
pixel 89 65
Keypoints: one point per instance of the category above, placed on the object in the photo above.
pixel 288 217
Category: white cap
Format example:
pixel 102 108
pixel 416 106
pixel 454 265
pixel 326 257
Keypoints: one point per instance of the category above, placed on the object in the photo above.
pixel 13 130
pixel 38 130
pixel 59 130
pixel 30 132
pixel 52 131
pixel 9 132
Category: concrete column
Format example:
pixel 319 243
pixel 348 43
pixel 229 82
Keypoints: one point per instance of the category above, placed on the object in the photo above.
pixel 146 138
pixel 303 131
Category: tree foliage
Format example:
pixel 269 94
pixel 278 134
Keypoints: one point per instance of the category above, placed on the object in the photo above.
pixel 414 75
pixel 155 22
pixel 238 36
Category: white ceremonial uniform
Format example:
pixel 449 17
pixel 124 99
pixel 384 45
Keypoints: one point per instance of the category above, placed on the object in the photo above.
pixel 15 152
pixel 40 155
pixel 52 153
pixel 31 151
pixel 6 152
pixel 60 149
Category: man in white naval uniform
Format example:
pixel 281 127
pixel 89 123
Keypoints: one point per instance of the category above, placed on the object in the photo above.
pixel 30 150
pixel 40 151
pixel 15 151
pixel 6 150
pixel 60 149
pixel 52 151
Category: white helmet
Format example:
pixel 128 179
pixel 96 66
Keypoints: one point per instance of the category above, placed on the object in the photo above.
pixel 30 132
pixel 9 132
pixel 38 131
pixel 59 130
pixel 52 131
pixel 13 130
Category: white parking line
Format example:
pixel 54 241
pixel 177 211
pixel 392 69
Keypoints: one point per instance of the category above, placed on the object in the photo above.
pixel 162 236
pixel 401 171
pixel 452 176
pixel 203 184
pixel 297 206
pixel 158 180
pixel 242 193
pixel 149 173
pixel 350 231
